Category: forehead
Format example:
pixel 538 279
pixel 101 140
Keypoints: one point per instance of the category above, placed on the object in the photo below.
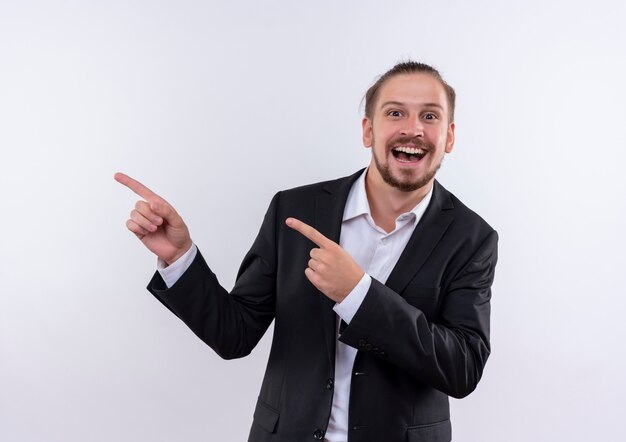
pixel 413 89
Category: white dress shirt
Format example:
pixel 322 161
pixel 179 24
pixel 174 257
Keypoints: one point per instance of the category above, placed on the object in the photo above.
pixel 376 252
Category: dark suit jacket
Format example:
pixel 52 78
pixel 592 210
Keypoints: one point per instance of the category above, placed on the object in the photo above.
pixel 422 336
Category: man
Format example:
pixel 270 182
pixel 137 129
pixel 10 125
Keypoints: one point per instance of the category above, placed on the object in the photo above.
pixel 379 283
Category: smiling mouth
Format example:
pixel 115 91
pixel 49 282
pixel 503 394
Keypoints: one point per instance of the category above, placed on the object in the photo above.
pixel 406 154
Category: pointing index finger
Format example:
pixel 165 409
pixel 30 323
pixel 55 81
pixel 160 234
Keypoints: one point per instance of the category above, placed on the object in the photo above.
pixel 309 232
pixel 135 186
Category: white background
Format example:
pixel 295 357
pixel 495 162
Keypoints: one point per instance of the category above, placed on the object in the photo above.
pixel 217 106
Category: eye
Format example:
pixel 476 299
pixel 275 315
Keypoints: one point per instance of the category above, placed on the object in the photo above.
pixel 430 116
pixel 394 113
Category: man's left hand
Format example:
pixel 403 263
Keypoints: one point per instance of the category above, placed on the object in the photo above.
pixel 331 269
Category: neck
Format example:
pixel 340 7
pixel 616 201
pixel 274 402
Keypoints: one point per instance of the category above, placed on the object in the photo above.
pixel 387 202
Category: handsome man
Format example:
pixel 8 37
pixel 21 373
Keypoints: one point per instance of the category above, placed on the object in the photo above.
pixel 379 283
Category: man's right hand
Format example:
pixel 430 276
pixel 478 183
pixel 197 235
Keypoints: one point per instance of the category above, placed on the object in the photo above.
pixel 155 222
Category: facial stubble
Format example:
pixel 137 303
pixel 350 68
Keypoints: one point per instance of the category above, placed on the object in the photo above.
pixel 407 186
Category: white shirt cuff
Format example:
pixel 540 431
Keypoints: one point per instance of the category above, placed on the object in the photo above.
pixel 175 270
pixel 347 308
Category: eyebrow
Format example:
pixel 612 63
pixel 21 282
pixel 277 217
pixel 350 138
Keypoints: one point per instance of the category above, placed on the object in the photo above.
pixel 398 103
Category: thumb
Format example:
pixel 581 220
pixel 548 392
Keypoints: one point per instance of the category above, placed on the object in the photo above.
pixel 166 212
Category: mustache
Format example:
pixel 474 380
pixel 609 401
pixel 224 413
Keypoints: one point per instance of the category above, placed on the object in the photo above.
pixel 413 141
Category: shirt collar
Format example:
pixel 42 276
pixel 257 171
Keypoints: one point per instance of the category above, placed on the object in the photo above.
pixel 357 203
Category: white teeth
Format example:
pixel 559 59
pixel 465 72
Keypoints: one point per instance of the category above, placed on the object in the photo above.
pixel 410 150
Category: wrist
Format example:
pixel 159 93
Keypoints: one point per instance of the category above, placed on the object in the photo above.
pixel 181 251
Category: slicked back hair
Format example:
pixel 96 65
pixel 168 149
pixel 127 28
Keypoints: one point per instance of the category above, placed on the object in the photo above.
pixel 407 67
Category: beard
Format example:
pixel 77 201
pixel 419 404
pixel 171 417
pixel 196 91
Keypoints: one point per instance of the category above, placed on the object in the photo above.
pixel 407 185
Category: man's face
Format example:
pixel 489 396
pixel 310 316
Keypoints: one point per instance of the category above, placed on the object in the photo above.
pixel 409 132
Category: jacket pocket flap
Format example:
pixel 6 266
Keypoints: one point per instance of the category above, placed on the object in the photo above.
pixel 265 416
pixel 437 432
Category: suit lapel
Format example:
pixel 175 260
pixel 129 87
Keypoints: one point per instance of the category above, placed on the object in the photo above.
pixel 329 207
pixel 425 237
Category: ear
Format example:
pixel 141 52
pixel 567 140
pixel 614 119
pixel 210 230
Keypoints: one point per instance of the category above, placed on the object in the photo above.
pixel 366 124
pixel 450 139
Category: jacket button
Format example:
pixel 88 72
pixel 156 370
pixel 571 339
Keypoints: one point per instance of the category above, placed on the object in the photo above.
pixel 318 434
pixel 362 342
pixel 329 384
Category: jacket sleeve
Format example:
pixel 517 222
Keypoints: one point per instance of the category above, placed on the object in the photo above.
pixel 448 355
pixel 230 323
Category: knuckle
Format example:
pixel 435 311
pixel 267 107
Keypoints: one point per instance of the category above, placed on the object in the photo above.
pixel 135 216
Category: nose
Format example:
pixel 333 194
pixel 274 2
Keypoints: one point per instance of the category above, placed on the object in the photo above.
pixel 413 127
